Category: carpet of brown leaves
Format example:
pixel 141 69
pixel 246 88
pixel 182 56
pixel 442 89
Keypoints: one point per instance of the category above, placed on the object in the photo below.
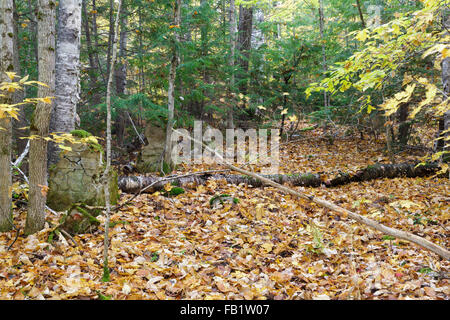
pixel 267 246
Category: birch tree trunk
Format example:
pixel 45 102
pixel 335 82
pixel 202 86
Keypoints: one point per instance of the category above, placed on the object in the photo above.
pixel 6 65
pixel 233 31
pixel 106 173
pixel 172 76
pixel 41 117
pixel 67 71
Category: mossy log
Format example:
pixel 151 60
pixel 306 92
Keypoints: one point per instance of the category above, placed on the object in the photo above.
pixel 133 184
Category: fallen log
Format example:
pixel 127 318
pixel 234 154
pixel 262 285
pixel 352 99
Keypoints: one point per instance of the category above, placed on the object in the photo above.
pixel 133 184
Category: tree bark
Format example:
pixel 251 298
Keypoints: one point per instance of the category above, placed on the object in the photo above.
pixel 107 172
pixel 132 184
pixel 19 95
pixel 324 55
pixel 363 23
pixel 93 65
pixel 444 123
pixel 244 42
pixel 171 90
pixel 67 72
pixel 230 120
pixel 120 76
pixel 41 117
pixel 6 65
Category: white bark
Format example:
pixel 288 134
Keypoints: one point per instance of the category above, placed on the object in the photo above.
pixel 67 70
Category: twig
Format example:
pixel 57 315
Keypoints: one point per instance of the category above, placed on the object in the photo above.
pixel 134 127
pixel 68 236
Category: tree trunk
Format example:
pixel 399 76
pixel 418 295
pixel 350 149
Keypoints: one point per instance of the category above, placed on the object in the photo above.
pixel 107 172
pixel 324 55
pixel 133 184
pixel 93 66
pixel 120 76
pixel 95 34
pixel 41 118
pixel 444 122
pixel 67 71
pixel 244 42
pixel 171 90
pixel 6 65
pixel 19 95
pixel 363 23
pixel 111 36
pixel 404 125
pixel 230 120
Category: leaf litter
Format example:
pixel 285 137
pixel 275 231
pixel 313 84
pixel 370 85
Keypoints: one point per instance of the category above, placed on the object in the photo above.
pixel 266 245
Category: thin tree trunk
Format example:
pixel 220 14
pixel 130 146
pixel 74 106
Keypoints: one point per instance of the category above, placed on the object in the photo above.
pixel 244 41
pixel 363 23
pixel 233 31
pixel 95 34
pixel 120 76
pixel 172 76
pixel 67 82
pixel 19 95
pixel 6 65
pixel 41 118
pixel 324 55
pixel 93 66
pixel 107 172
pixel 111 36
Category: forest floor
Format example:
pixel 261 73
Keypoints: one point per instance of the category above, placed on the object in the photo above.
pixel 267 246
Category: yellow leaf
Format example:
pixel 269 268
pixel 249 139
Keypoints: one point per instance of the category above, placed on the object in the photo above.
pixel 11 75
pixel 261 107
pixel 293 118
pixel 65 147
pixel 285 111
pixel 267 247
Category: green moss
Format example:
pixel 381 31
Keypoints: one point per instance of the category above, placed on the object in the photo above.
pixel 79 133
pixel 96 147
pixel 308 176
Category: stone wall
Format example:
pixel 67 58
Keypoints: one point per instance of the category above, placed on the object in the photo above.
pixel 75 178
pixel 149 159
